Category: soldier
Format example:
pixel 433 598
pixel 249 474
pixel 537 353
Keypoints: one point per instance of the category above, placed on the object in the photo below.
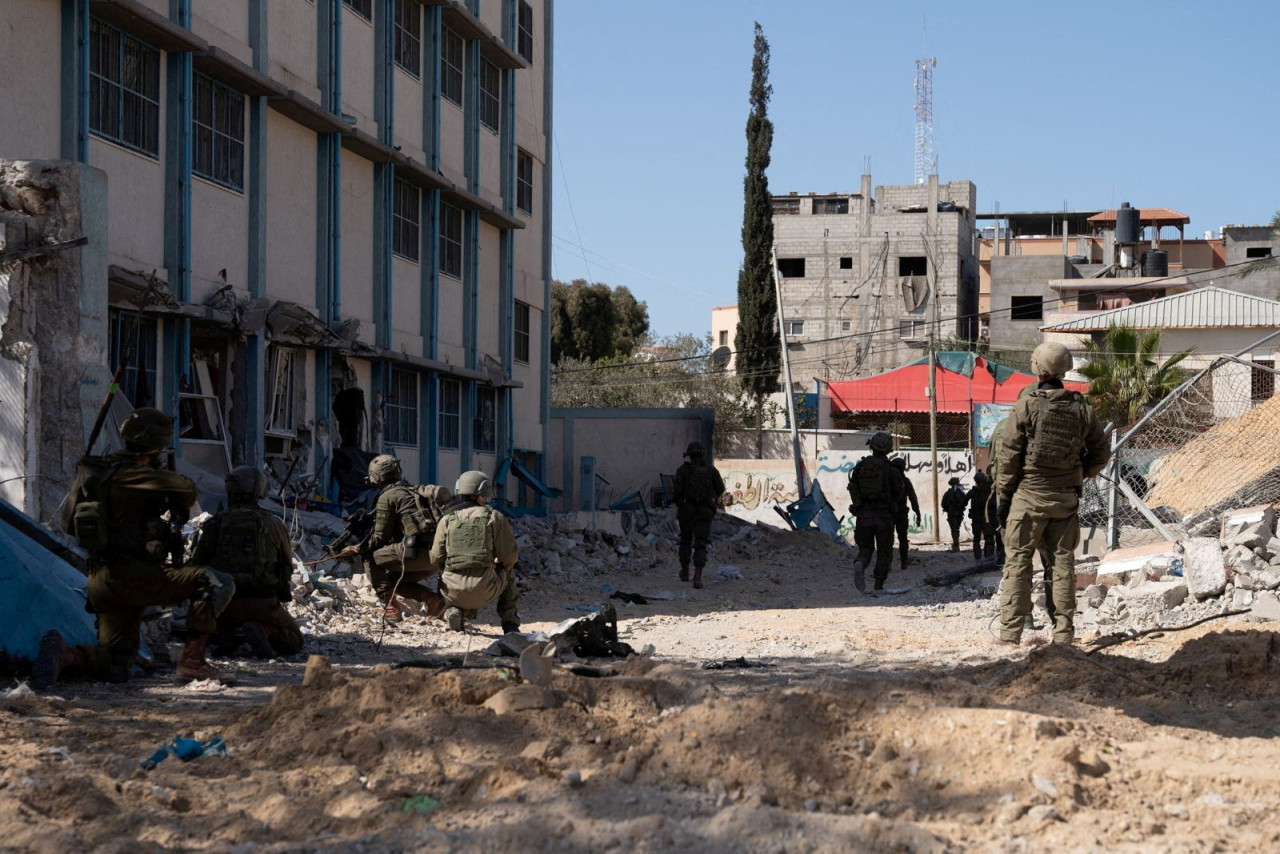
pixel 475 551
pixel 983 526
pixel 1053 441
pixel 252 546
pixel 698 487
pixel 900 511
pixel 874 490
pixel 396 553
pixel 115 511
pixel 953 504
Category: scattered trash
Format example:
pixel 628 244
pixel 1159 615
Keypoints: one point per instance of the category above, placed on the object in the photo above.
pixel 733 664
pixel 21 692
pixel 630 598
pixel 185 749
pixel 62 753
pixel 593 636
pixel 662 596
pixel 204 686
pixel 587 608
pixel 727 573
pixel 421 804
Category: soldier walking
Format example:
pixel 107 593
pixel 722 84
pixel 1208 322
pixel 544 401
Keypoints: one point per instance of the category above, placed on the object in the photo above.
pixel 983 525
pixel 1053 441
pixel 900 511
pixel 698 487
pixel 953 504
pixel 874 492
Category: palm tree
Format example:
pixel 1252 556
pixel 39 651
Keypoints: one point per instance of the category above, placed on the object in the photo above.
pixel 1124 374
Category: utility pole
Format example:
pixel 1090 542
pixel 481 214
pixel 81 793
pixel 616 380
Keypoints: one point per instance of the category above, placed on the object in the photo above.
pixel 786 369
pixel 933 381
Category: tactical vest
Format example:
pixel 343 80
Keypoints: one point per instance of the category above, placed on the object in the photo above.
pixel 871 477
pixel 1055 432
pixel 701 488
pixel 91 520
pixel 468 544
pixel 245 550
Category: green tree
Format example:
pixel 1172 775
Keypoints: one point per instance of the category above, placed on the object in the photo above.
pixel 758 345
pixel 591 321
pixel 1125 375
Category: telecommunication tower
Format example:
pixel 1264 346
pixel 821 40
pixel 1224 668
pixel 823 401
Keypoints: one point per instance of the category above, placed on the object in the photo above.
pixel 926 162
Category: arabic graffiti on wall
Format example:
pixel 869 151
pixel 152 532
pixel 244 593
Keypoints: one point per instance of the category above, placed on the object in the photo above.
pixel 752 490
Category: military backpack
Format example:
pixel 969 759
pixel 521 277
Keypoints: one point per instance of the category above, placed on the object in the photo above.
pixel 245 550
pixel 1056 431
pixel 91 519
pixel 869 482
pixel 701 488
pixel 468 543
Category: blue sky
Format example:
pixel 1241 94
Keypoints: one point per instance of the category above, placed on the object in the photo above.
pixel 1162 105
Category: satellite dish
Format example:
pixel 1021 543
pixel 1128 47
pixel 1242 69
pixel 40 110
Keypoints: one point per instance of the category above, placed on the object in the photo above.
pixel 720 358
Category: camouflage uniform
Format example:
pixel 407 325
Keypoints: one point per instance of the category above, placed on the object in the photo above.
pixel 695 512
pixel 397 518
pixel 900 518
pixel 983 524
pixel 470 581
pixel 874 508
pixel 953 504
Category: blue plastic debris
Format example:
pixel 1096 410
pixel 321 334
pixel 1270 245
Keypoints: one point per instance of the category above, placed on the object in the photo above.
pixel 185 749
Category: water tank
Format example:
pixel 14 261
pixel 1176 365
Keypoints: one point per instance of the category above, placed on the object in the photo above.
pixel 1155 263
pixel 1127 224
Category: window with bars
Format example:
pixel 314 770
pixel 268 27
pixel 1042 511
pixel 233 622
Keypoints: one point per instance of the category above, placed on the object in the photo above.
pixel 521 332
pixel 485 422
pixel 217 138
pixel 133 344
pixel 408 34
pixel 450 420
pixel 524 38
pixel 451 52
pixel 406 219
pixel 451 241
pixel 124 89
pixel 402 408
pixel 524 181
pixel 490 95
pixel 363 8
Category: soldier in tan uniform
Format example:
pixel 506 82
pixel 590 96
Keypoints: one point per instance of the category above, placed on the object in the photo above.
pixel 475 551
pixel 396 553
pixel 115 511
pixel 1053 441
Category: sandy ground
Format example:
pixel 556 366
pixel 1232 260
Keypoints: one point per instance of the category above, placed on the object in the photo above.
pixel 878 724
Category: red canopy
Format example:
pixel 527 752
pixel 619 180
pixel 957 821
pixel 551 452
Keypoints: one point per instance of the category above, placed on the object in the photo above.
pixel 906 389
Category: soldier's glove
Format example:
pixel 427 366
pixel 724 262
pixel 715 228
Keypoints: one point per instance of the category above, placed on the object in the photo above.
pixel 411 547
pixel 917 520
pixel 853 510
pixel 1002 512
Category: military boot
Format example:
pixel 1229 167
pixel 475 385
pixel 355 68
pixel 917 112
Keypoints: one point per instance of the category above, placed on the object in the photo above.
pixel 259 641
pixel 453 616
pixel 193 664
pixel 390 612
pixel 697 578
pixel 860 576
pixel 433 600
pixel 684 572
pixel 54 657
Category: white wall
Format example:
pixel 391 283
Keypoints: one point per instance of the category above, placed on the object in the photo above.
pixel 30 35
pixel 291 211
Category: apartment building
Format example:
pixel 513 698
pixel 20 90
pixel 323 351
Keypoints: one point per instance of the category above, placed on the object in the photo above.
pixel 866 279
pixel 328 220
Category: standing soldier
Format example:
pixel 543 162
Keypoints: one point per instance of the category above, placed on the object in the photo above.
pixel 115 511
pixel 698 487
pixel 900 511
pixel 953 503
pixel 984 544
pixel 252 546
pixel 396 553
pixel 475 551
pixel 1053 441
pixel 874 492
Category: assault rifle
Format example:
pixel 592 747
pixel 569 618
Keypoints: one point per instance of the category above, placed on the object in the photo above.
pixel 359 527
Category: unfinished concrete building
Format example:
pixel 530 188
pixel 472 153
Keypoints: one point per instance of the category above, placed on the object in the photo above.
pixel 866 280
pixel 329 219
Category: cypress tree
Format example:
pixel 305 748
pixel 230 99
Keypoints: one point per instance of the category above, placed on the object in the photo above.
pixel 759 348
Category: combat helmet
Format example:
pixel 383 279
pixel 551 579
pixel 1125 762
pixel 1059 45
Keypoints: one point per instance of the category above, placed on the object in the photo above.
pixel 146 430
pixel 955 481
pixel 1050 360
pixel 246 481
pixel 384 468
pixel 695 450
pixel 881 442
pixel 472 483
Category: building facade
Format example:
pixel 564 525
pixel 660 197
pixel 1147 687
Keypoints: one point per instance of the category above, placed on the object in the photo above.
pixel 866 280
pixel 329 220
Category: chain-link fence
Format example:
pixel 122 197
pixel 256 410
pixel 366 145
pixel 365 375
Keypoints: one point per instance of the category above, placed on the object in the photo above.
pixel 1212 445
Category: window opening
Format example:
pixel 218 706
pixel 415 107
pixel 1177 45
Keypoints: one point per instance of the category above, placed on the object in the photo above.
pixel 124 89
pixel 450 421
pixel 451 241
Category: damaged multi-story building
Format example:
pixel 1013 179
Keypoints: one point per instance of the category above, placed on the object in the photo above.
pixel 311 225
pixel 866 280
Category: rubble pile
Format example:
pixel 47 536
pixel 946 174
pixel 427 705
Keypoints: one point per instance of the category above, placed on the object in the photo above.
pixel 1166 585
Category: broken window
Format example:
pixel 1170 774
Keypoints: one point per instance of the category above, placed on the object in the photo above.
pixel 521 332
pixel 486 420
pixel 451 241
pixel 217 132
pixel 402 408
pixel 524 181
pixel 133 344
pixel 786 206
pixel 791 268
pixel 490 95
pixel 911 328
pixel 913 265
pixel 285 392
pixel 1263 381
pixel 451 52
pixel 408 47
pixel 363 8
pixel 524 35
pixel 830 206
pixel 124 89
pixel 406 215
pixel 1258 252
pixel 1026 308
pixel 450 426
pixel 846 263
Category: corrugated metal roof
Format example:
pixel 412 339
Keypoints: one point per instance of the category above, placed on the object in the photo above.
pixel 1202 308
pixel 1147 215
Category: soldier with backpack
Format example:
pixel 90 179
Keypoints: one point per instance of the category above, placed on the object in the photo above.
pixel 252 546
pixel 396 554
pixel 874 492
pixel 475 551
pixel 900 511
pixel 698 487
pixel 1053 441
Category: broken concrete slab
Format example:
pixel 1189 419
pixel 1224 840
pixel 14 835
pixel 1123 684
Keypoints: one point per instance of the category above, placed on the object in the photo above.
pixel 1249 526
pixel 1150 599
pixel 1204 566
pixel 1266 606
pixel 1120 565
